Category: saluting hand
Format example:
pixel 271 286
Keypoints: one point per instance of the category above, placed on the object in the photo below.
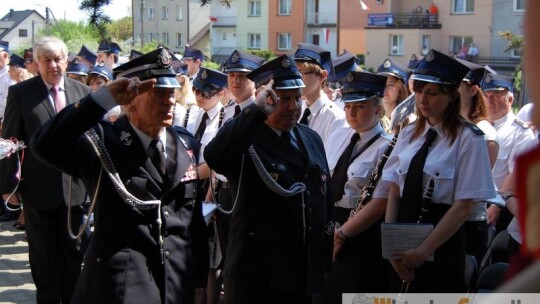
pixel 266 99
pixel 124 90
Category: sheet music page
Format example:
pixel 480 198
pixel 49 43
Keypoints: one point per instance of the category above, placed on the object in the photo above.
pixel 400 236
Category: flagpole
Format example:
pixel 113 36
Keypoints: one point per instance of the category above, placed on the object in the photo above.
pixel 338 28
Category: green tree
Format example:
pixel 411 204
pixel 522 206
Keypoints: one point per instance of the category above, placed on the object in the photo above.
pixel 74 34
pixel 121 30
pixel 97 18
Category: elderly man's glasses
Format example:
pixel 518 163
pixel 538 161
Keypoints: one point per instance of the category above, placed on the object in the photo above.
pixel 28 61
pixel 205 94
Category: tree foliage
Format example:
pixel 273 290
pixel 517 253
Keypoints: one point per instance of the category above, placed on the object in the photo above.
pixel 74 34
pixel 121 29
pixel 223 2
pixel 94 9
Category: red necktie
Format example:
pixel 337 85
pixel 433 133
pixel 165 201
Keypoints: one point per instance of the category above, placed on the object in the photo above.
pixel 58 98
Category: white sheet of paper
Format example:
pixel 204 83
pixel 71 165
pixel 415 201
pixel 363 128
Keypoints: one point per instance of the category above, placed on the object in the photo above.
pixel 400 236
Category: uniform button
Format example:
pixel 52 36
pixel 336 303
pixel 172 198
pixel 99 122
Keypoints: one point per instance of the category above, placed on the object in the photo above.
pixel 98 260
pixel 437 174
pixel 166 213
pixel 308 193
pixel 167 253
pixel 306 176
pixel 128 182
pixel 309 228
pixel 310 210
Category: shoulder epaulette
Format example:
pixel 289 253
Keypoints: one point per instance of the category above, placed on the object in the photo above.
pixel 476 130
pixel 521 123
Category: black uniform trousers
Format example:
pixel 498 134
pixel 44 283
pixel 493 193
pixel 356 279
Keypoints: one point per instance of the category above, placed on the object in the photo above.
pixel 359 266
pixel 51 247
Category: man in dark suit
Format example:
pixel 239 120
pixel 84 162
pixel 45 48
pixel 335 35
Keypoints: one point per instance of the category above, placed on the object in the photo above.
pixel 281 230
pixel 150 243
pixel 55 261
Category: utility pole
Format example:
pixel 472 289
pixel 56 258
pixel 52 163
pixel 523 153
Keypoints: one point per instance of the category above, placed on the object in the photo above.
pixel 142 23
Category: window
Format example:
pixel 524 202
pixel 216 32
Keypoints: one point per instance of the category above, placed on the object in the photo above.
pixel 164 13
pixel 223 36
pixel 179 39
pixel 284 7
pixel 165 37
pixel 516 53
pixel 254 8
pixel 151 13
pixel 457 42
pixel 151 37
pixel 179 12
pixel 284 41
pixel 426 39
pixel 254 41
pixel 463 6
pixel 23 33
pixel 396 45
pixel 519 6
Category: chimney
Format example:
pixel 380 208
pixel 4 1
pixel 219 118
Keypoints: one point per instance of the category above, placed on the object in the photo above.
pixel 11 12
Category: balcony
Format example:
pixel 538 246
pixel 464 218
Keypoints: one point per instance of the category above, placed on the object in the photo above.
pixel 322 19
pixel 223 21
pixel 401 20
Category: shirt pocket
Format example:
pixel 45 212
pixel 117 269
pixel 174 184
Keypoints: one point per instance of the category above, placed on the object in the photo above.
pixel 401 172
pixel 360 174
pixel 443 177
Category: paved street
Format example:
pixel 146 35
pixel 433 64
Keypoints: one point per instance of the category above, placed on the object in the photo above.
pixel 16 285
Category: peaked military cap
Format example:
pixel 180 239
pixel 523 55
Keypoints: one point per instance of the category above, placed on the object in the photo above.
pixel 193 53
pixel 242 62
pixel 17 60
pixel 413 62
pixel 156 64
pixel 181 69
pixel 498 83
pixel 342 65
pixel 102 70
pixel 4 46
pixel 109 46
pixel 77 68
pixel 87 54
pixel 315 54
pixel 282 69
pixel 437 67
pixel 134 54
pixel 393 68
pixel 361 86
pixel 210 80
pixel 476 72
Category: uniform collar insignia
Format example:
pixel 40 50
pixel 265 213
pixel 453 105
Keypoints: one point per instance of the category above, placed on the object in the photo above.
pixel 125 137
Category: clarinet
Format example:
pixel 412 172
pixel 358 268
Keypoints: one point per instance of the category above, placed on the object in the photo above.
pixel 369 187
pixel 426 202
pixel 186 118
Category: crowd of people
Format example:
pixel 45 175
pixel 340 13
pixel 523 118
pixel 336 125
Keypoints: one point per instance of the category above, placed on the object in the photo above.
pixel 262 182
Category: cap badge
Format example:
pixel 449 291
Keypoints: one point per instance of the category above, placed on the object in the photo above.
pixel 387 64
pixel 430 57
pixel 204 74
pixel 164 59
pixel 234 58
pixel 349 77
pixel 285 63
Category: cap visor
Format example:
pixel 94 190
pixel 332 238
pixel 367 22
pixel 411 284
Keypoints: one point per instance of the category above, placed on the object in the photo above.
pixel 355 97
pixel 166 82
pixel 289 84
pixel 430 79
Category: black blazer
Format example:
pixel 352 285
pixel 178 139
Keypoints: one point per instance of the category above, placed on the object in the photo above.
pixel 123 263
pixel 267 246
pixel 27 108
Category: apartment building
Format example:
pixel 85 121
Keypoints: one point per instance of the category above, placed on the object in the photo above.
pixel 173 23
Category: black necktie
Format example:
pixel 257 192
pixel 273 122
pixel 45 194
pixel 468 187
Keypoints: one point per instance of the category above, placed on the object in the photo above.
pixel 305 116
pixel 339 177
pixel 286 136
pixel 411 200
pixel 237 110
pixel 201 128
pixel 154 152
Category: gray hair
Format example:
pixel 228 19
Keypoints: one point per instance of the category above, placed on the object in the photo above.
pixel 46 46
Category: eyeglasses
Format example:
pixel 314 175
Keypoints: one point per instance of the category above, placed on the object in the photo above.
pixel 205 94
pixel 28 61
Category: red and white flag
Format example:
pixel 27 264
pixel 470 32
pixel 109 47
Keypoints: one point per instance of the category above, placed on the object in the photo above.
pixel 364 6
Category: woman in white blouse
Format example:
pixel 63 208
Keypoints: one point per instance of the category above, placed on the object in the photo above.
pixel 457 163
